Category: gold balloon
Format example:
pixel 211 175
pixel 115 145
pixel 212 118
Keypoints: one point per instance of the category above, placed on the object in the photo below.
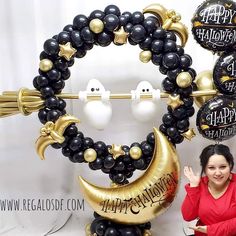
pixel 90 155
pixel 146 197
pixel 66 51
pixel 114 185
pixel 184 79
pixel 53 133
pixel 96 25
pixel 120 36
pixel 147 233
pixel 204 82
pixel 45 65
pixel 157 10
pixel 116 151
pixel 174 101
pixel 135 152
pixel 87 230
pixel 145 56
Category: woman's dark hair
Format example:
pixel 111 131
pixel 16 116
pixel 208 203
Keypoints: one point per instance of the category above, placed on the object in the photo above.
pixel 218 149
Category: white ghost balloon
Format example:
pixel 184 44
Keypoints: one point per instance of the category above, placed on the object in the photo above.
pixel 144 110
pixel 98 113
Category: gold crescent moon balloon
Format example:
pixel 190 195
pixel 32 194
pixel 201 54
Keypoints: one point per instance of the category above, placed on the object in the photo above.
pixel 204 82
pixel 157 10
pixel 169 20
pixel 53 133
pixel 146 197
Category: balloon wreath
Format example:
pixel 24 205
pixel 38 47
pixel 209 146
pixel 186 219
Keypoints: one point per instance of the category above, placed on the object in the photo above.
pixel 127 208
pixel 155 36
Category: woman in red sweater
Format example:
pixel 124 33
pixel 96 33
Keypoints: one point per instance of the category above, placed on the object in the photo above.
pixel 212 199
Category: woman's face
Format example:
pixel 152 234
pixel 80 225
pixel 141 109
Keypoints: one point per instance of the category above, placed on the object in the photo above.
pixel 217 170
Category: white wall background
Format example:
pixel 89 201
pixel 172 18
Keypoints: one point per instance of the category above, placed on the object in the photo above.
pixel 24 26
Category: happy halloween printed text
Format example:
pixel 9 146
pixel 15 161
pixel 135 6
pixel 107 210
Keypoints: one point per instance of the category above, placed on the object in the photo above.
pixel 222 123
pixel 217 14
pixel 162 192
pixel 217 25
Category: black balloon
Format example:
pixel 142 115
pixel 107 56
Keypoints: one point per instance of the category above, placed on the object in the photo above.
pixel 216 120
pixel 127 231
pixel 214 25
pixel 224 73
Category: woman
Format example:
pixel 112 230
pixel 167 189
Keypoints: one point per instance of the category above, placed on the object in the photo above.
pixel 212 198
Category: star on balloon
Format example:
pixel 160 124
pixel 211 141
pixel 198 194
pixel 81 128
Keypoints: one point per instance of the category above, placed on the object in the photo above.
pixel 120 36
pixel 189 134
pixel 66 51
pixel 174 101
pixel 116 151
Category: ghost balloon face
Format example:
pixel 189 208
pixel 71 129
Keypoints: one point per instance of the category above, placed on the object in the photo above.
pixel 95 86
pixel 144 87
pixel 98 113
pixel 144 110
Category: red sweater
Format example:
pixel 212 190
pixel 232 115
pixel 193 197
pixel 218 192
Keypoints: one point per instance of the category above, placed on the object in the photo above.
pixel 219 215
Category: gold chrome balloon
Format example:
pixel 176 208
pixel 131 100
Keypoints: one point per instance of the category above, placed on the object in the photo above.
pixel 66 51
pixel 120 36
pixel 169 20
pixel 147 233
pixel 53 133
pixel 184 80
pixel 96 26
pixel 146 197
pixel 174 101
pixel 145 56
pixel 204 82
pixel 45 65
pixel 157 10
pixel 135 152
pixel 189 134
pixel 116 151
pixel 90 155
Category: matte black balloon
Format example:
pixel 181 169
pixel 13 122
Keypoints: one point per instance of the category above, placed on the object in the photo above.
pixel 224 73
pixel 214 25
pixel 216 120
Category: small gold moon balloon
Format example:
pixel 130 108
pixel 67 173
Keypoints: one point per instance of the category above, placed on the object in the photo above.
pixel 157 10
pixel 204 82
pixel 146 197
pixel 53 133
pixel 169 20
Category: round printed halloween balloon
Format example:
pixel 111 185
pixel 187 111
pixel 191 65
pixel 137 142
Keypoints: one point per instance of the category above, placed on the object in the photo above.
pixel 224 73
pixel 214 25
pixel 216 120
